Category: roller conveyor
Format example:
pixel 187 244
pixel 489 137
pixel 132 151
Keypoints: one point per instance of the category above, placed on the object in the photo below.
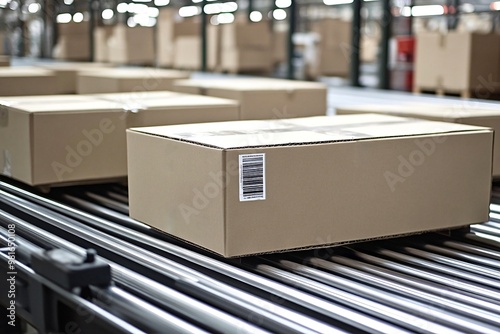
pixel 428 283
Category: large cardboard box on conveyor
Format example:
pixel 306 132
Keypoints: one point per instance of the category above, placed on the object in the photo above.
pixel 73 139
pixel 458 62
pixel 116 80
pixel 15 81
pixel 446 113
pixel 267 186
pixel 263 98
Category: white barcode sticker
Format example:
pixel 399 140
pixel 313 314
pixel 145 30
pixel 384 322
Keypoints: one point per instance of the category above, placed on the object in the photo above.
pixel 252 177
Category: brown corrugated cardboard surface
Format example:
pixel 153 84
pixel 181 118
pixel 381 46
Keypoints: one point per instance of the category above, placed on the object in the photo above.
pixel 128 80
pixel 246 35
pixel 454 114
pixel 169 28
pixel 72 47
pixel 16 81
pixel 87 133
pixel 328 180
pixel 264 98
pixel 159 108
pixel 66 73
pixel 101 37
pixel 457 61
pixel 4 60
pixel 131 45
pixel 246 60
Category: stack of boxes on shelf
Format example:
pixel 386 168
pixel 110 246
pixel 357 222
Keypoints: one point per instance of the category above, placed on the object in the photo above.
pixel 246 47
pixel 333 51
pixel 133 46
pixel 464 63
pixel 73 41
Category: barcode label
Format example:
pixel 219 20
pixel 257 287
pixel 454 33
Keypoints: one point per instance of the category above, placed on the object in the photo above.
pixel 252 177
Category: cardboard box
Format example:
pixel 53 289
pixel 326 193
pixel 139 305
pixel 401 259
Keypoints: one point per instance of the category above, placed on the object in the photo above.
pixel 246 35
pixel 187 54
pixel 264 98
pixel 247 60
pixel 169 28
pixel 67 73
pixel 333 61
pixel 72 47
pixel 131 45
pixel 333 32
pixel 87 141
pixel 101 48
pixel 457 62
pixel 15 81
pixel 115 80
pixel 4 61
pixel 481 117
pixel 160 108
pixel 267 186
pixel 280 46
pixel 73 28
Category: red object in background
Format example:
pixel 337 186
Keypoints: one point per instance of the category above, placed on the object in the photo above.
pixel 405 48
pixel 402 79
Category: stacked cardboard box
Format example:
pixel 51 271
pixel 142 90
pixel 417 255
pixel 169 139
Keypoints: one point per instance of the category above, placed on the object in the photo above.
pixel 16 81
pixel 115 80
pixel 73 41
pixel 246 47
pixel 67 73
pixel 101 48
pixel 280 46
pixel 87 140
pixel 131 45
pixel 458 62
pixel 4 61
pixel 333 51
pixel 266 186
pixel 456 114
pixel 264 98
pixel 187 50
pixel 169 28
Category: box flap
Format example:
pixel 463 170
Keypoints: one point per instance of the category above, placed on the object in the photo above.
pixel 251 84
pixel 301 131
pixel 429 111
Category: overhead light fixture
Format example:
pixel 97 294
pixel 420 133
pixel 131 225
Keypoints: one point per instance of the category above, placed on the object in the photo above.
pixel 77 17
pixel 279 14
pixel 107 14
pixel 495 5
pixel 428 10
pixel 63 18
pixel 161 2
pixel 255 16
pixel 188 11
pixel 337 2
pixel 283 3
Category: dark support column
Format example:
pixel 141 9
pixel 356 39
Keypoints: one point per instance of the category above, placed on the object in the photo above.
pixel 292 23
pixel 410 19
pixel 384 75
pixel 203 37
pixel 355 42
pixel 250 8
pixel 92 24
pixel 454 17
